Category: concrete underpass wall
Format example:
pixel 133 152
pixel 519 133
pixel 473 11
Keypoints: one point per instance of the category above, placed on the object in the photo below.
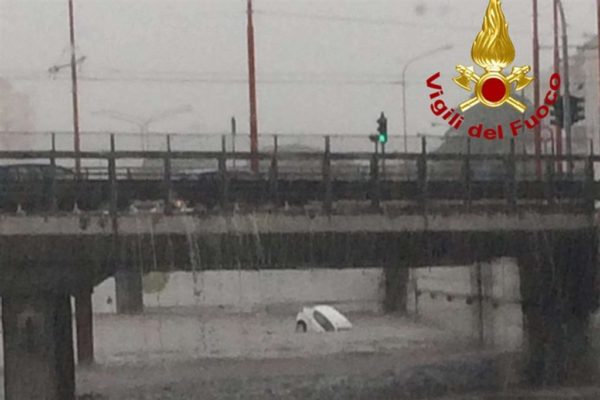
pixel 349 289
pixel 448 299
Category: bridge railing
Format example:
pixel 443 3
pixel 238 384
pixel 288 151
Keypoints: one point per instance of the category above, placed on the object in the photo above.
pixel 327 175
pixel 305 142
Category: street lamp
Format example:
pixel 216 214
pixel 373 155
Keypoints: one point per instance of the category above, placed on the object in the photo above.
pixel 143 123
pixel 408 63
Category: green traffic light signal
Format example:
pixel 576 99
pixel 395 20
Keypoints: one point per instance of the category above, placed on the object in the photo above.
pixel 382 129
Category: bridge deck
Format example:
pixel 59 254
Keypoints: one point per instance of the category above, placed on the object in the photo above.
pixel 291 222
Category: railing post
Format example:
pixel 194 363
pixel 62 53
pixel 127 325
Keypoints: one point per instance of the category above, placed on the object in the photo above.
pixel 375 187
pixel 52 203
pixel 168 195
pixel 223 179
pixel 112 176
pixel 589 181
pixel 274 174
pixel 511 180
pixel 422 175
pixel 383 175
pixel 328 199
pixel 467 176
pixel 550 180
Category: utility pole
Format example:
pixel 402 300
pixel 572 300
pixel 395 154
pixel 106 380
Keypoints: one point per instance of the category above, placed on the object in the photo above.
pixel 567 90
pixel 536 83
pixel 252 91
pixel 76 144
pixel 598 7
pixel 557 129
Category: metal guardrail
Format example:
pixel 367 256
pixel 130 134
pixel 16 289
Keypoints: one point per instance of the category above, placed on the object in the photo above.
pixel 298 142
pixel 327 175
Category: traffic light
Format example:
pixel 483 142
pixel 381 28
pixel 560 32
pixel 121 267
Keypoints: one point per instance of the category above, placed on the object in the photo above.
pixel 557 113
pixel 382 129
pixel 577 109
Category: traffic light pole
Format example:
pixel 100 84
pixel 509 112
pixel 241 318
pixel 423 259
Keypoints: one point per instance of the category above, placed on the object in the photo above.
pixel 557 129
pixel 536 90
pixel 383 160
pixel 567 90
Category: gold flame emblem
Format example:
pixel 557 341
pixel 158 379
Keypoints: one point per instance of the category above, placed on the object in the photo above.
pixel 493 51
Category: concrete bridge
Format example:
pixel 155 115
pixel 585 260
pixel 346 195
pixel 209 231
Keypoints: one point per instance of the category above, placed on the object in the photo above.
pixel 391 219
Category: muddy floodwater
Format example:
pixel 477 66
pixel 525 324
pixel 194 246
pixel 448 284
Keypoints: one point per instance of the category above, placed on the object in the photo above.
pixel 187 354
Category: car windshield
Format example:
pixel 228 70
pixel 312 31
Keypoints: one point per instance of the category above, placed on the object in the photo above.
pixel 323 321
pixel 29 172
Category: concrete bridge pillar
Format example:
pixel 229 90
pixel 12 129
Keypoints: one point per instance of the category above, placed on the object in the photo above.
pixel 38 347
pixel 129 291
pixel 558 288
pixel 396 288
pixel 482 290
pixel 399 257
pixel 85 326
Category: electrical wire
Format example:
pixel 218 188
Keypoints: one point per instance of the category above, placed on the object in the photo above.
pixel 222 81
pixel 362 20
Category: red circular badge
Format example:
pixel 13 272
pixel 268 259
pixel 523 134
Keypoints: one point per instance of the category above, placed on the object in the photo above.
pixel 493 90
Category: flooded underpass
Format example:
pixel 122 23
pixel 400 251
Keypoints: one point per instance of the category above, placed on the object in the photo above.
pixel 183 354
pixel 207 327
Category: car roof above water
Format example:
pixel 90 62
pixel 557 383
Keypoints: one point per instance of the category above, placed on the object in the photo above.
pixel 337 318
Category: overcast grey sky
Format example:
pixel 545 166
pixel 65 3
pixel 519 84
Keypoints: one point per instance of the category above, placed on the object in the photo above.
pixel 145 52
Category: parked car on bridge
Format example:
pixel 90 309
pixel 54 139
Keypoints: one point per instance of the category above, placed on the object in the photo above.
pixel 30 185
pixel 33 172
pixel 321 318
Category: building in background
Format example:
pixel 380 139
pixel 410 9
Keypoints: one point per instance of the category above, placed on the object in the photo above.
pixel 16 118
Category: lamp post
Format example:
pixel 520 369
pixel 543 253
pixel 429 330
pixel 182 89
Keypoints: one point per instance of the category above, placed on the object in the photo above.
pixel 143 123
pixel 408 63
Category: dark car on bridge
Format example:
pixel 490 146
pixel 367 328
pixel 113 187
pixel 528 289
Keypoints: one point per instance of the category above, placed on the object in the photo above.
pixel 31 186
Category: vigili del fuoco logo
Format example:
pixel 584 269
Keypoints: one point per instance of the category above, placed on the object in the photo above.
pixel 493 51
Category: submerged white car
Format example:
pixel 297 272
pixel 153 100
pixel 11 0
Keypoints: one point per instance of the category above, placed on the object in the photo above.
pixel 321 319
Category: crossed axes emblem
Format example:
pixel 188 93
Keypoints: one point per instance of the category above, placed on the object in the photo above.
pixel 468 75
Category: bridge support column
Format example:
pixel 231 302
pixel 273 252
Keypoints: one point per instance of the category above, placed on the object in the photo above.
pixel 38 347
pixel 558 277
pixel 129 291
pixel 85 327
pixel 482 291
pixel 398 258
pixel 396 288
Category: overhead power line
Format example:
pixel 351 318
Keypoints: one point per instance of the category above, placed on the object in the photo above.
pixel 216 81
pixel 369 21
